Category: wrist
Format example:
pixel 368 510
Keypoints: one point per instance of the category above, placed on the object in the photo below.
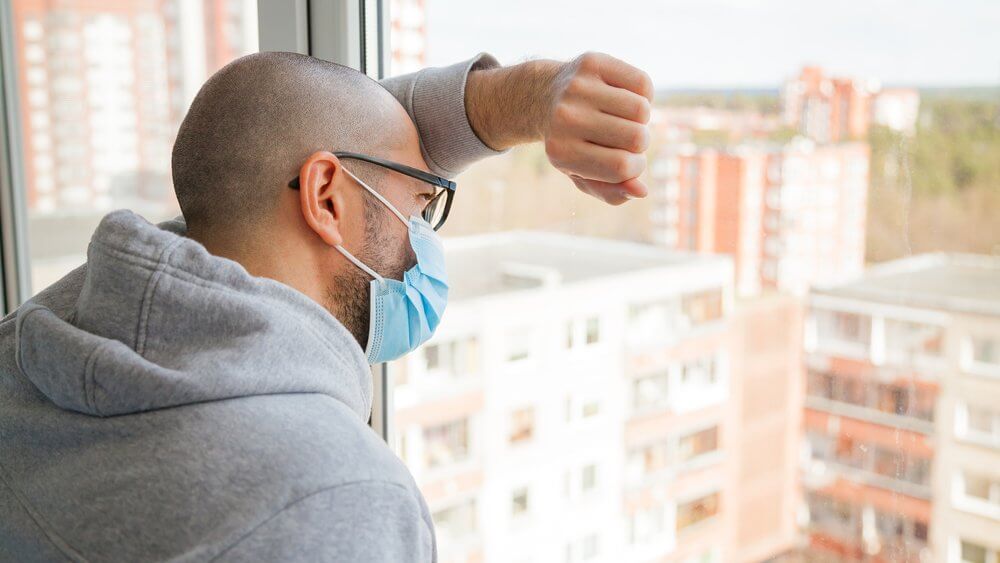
pixel 510 105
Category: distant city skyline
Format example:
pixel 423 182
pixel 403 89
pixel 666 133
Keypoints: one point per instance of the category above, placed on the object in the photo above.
pixel 692 43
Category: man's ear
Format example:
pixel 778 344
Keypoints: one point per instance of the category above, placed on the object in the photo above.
pixel 321 196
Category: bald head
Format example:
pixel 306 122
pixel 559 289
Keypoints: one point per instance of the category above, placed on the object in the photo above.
pixel 255 121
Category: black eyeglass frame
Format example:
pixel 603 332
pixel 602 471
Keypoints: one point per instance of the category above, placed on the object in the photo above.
pixel 415 173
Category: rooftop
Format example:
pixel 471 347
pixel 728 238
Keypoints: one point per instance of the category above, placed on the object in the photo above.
pixel 502 262
pixel 953 282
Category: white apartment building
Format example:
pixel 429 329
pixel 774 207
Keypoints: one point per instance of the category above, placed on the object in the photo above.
pixel 903 413
pixel 571 406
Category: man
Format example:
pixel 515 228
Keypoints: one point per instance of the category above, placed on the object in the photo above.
pixel 200 390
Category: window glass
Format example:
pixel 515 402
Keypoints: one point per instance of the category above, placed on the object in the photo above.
pixel 104 85
pixel 446 444
pixel 797 312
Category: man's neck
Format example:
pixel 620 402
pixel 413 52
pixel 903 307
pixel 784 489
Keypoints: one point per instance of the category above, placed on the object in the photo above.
pixel 273 257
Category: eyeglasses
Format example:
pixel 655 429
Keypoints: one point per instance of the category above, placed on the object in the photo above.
pixel 437 209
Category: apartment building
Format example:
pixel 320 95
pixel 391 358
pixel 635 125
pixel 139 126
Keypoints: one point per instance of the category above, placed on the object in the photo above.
pixel 827 109
pixel 408 37
pixel 574 405
pixel 767 398
pixel 833 109
pixel 789 215
pixel 902 417
pixel 103 86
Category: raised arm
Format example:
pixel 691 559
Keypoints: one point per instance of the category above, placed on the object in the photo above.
pixel 592 113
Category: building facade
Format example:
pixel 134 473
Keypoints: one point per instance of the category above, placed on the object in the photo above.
pixel 789 215
pixel 902 420
pixel 575 403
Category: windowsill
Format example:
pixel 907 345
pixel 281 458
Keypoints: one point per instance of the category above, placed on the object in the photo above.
pixel 983 440
pixel 692 529
pixel 978 507
pixel 871 415
pixel 877 480
pixel 980 369
pixel 704 461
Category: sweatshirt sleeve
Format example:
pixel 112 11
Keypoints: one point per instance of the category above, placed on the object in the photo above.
pixel 361 521
pixel 435 100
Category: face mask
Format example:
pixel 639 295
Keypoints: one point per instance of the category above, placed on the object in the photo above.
pixel 404 314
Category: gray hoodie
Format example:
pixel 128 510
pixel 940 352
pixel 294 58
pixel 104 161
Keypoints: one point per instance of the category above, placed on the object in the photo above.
pixel 160 403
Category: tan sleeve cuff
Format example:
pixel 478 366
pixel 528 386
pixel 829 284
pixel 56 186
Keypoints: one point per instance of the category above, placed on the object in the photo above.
pixel 435 100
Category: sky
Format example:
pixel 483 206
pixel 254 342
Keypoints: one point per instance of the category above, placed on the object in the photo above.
pixel 735 43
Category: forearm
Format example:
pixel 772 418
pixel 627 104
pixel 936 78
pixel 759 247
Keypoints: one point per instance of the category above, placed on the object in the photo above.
pixel 508 106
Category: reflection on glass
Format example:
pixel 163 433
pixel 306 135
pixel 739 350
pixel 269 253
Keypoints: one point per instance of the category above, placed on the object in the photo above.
pixel 788 366
pixel 104 85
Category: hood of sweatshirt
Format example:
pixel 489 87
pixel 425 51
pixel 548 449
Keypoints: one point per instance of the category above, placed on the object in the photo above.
pixel 160 323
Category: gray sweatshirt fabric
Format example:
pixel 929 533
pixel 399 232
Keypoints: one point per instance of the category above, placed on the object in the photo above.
pixel 160 404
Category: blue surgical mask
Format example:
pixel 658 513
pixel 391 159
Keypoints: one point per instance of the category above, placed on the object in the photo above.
pixel 404 314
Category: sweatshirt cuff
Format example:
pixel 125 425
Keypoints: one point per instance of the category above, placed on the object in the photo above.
pixel 437 107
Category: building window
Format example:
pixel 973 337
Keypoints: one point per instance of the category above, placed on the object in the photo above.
pixel 588 478
pixel 589 548
pixel 703 307
pixel 522 425
pixel 974 553
pixel 702 372
pixel 593 330
pixel 456 522
pixel 905 341
pixel 692 446
pixel 519 502
pixel 518 345
pixel 841 328
pixel 650 392
pixel 586 332
pixel 986 351
pixel 456 358
pixel 979 493
pixel 978 424
pixel 446 444
pixel 696 511
pixel 647 524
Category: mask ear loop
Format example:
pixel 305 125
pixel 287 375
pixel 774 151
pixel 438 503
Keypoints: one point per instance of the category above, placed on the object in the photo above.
pixel 379 196
pixel 359 263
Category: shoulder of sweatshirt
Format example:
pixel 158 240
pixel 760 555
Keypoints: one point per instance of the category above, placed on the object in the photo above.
pixel 194 481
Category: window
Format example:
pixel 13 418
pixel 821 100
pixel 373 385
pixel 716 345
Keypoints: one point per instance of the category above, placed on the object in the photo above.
pixel 588 478
pixel 978 423
pixel 518 345
pixel 632 325
pixel 843 328
pixel 98 127
pixel 696 511
pixel 906 341
pixel 593 330
pixel 986 351
pixel 977 492
pixel 446 444
pixel 648 524
pixel 703 307
pixel 974 553
pixel 692 446
pixel 650 392
pixel 456 358
pixel 702 372
pixel 587 331
pixel 456 522
pixel 519 502
pixel 522 425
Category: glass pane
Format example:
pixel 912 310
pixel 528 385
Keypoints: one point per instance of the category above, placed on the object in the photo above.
pixel 777 335
pixel 104 85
